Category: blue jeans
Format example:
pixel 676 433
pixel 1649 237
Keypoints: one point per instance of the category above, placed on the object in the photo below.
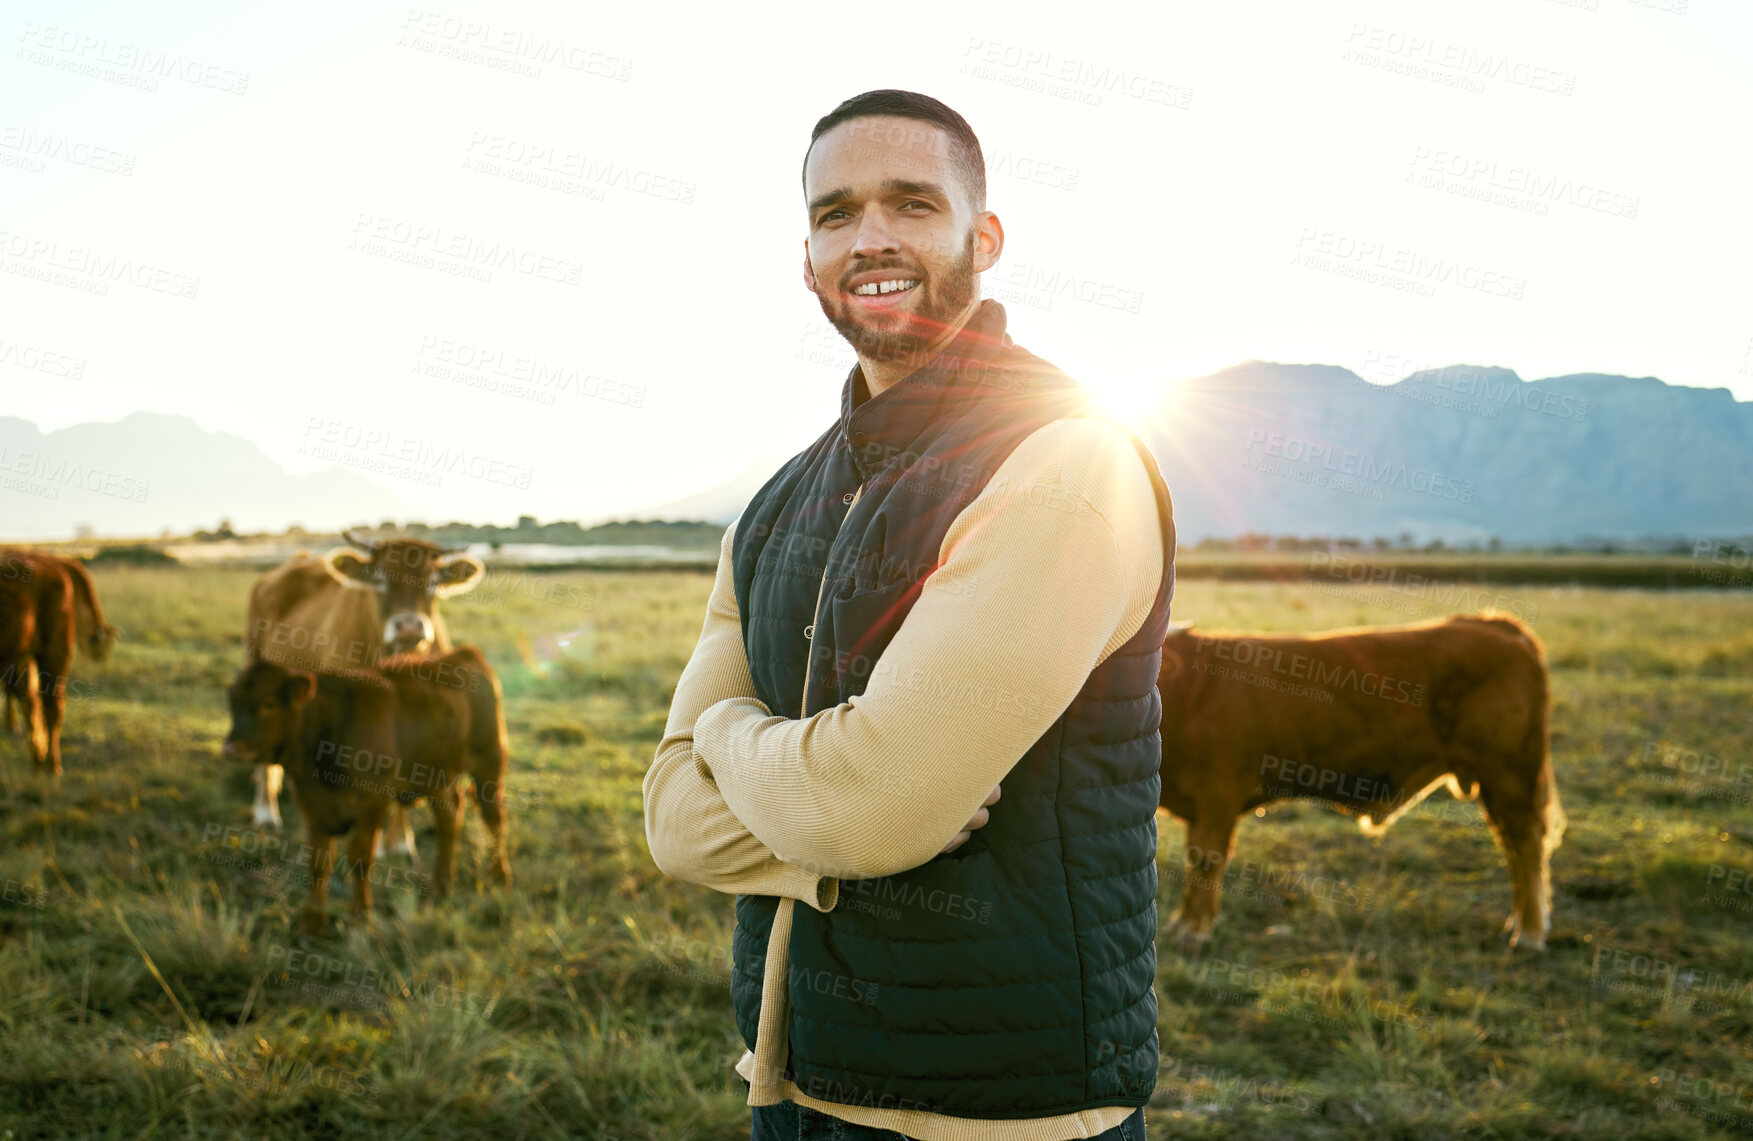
pixel 789 1121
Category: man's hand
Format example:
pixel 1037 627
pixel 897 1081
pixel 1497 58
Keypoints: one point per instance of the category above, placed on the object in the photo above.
pixel 980 817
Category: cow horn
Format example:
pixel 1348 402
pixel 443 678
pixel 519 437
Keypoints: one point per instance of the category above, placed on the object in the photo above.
pixel 363 544
pixel 1180 627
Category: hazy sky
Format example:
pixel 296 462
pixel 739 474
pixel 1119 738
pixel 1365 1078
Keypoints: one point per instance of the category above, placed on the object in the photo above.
pixel 331 224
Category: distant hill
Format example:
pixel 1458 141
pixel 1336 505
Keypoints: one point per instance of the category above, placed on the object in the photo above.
pixel 1459 454
pixel 148 471
pixel 721 503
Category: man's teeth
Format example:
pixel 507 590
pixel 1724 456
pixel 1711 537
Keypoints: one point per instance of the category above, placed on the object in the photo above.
pixel 872 288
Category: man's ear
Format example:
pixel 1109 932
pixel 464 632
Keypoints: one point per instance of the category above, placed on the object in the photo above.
pixel 988 241
pixel 809 273
pixel 299 687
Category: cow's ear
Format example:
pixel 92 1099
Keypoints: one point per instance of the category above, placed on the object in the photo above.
pixel 457 574
pixel 299 687
pixel 346 564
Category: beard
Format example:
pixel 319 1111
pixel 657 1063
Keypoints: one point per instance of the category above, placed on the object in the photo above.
pixel 941 299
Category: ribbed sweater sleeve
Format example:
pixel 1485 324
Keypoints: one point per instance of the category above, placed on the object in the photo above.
pixel 692 832
pixel 1050 569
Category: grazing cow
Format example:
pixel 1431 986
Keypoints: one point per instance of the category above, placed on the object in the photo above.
pixel 1372 720
pixel 19 669
pixel 359 741
pixel 63 612
pixel 346 610
pixel 94 635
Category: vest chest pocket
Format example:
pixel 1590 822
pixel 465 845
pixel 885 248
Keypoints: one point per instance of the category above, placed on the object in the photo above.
pixel 863 625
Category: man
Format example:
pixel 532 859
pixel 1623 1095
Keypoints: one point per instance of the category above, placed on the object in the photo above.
pixel 964 582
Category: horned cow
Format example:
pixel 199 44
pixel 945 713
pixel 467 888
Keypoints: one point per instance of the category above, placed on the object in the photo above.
pixel 348 609
pixel 1371 720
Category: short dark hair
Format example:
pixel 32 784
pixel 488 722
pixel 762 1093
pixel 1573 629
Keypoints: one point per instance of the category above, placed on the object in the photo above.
pixel 965 147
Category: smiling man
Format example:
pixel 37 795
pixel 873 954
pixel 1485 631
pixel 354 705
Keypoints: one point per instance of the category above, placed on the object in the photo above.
pixel 923 704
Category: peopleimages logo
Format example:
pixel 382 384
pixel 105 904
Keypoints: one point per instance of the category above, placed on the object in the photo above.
pixel 1363 466
pixel 468 255
pixel 384 451
pixel 70 473
pixel 88 270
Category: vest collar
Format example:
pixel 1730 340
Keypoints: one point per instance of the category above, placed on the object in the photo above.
pixel 883 425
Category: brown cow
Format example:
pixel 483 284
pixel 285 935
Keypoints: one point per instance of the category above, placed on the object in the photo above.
pixel 1372 720
pixel 359 741
pixel 95 636
pixel 63 611
pixel 346 610
pixel 20 672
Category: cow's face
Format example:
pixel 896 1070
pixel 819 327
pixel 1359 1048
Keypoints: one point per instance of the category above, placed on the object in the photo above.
pixel 99 641
pixel 265 702
pixel 408 574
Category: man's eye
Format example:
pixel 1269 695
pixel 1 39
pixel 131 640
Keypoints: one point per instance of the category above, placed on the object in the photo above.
pixel 831 214
pixel 915 202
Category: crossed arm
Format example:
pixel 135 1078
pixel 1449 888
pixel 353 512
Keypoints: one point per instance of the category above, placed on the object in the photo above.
pixel 1048 571
pixel 692 832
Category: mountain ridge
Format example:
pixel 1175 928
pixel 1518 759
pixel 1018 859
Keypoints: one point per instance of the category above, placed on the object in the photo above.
pixel 1460 453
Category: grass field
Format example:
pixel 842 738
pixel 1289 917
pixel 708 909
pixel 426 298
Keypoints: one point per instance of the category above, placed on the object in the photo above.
pixel 149 986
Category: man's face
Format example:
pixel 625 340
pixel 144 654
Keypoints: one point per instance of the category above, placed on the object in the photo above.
pixel 887 205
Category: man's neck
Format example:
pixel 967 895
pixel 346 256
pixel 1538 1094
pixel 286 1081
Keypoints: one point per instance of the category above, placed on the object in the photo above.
pixel 879 376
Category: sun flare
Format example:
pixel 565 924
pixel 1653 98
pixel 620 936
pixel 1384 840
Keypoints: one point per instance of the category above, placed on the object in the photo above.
pixel 1135 399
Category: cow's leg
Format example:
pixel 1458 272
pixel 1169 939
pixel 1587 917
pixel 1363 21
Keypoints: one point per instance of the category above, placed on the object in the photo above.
pixel 1521 830
pixel 266 811
pixel 399 834
pixel 359 859
pixel 447 818
pixel 1530 824
pixel 1211 839
pixel 53 694
pixel 493 816
pixel 316 905
pixel 24 684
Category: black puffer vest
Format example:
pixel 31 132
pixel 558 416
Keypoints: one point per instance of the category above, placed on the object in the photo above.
pixel 1011 978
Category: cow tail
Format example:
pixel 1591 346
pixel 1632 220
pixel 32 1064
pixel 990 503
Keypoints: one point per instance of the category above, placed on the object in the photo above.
pixel 488 737
pixel 1539 746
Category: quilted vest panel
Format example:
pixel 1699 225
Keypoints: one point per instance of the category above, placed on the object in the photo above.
pixel 1012 977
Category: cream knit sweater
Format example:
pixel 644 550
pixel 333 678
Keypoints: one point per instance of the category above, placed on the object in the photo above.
pixel 1047 572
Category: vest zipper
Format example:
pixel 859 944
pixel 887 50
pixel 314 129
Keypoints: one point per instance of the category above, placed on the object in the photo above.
pixel 816 614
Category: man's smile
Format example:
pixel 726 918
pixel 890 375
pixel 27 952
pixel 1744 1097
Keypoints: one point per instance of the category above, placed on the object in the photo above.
pixel 880 291
pixel 891 286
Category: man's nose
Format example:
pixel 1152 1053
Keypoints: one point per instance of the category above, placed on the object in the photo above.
pixel 874 237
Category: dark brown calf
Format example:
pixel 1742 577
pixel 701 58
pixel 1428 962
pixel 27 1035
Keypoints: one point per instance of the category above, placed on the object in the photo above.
pixel 1372 720
pixel 356 742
